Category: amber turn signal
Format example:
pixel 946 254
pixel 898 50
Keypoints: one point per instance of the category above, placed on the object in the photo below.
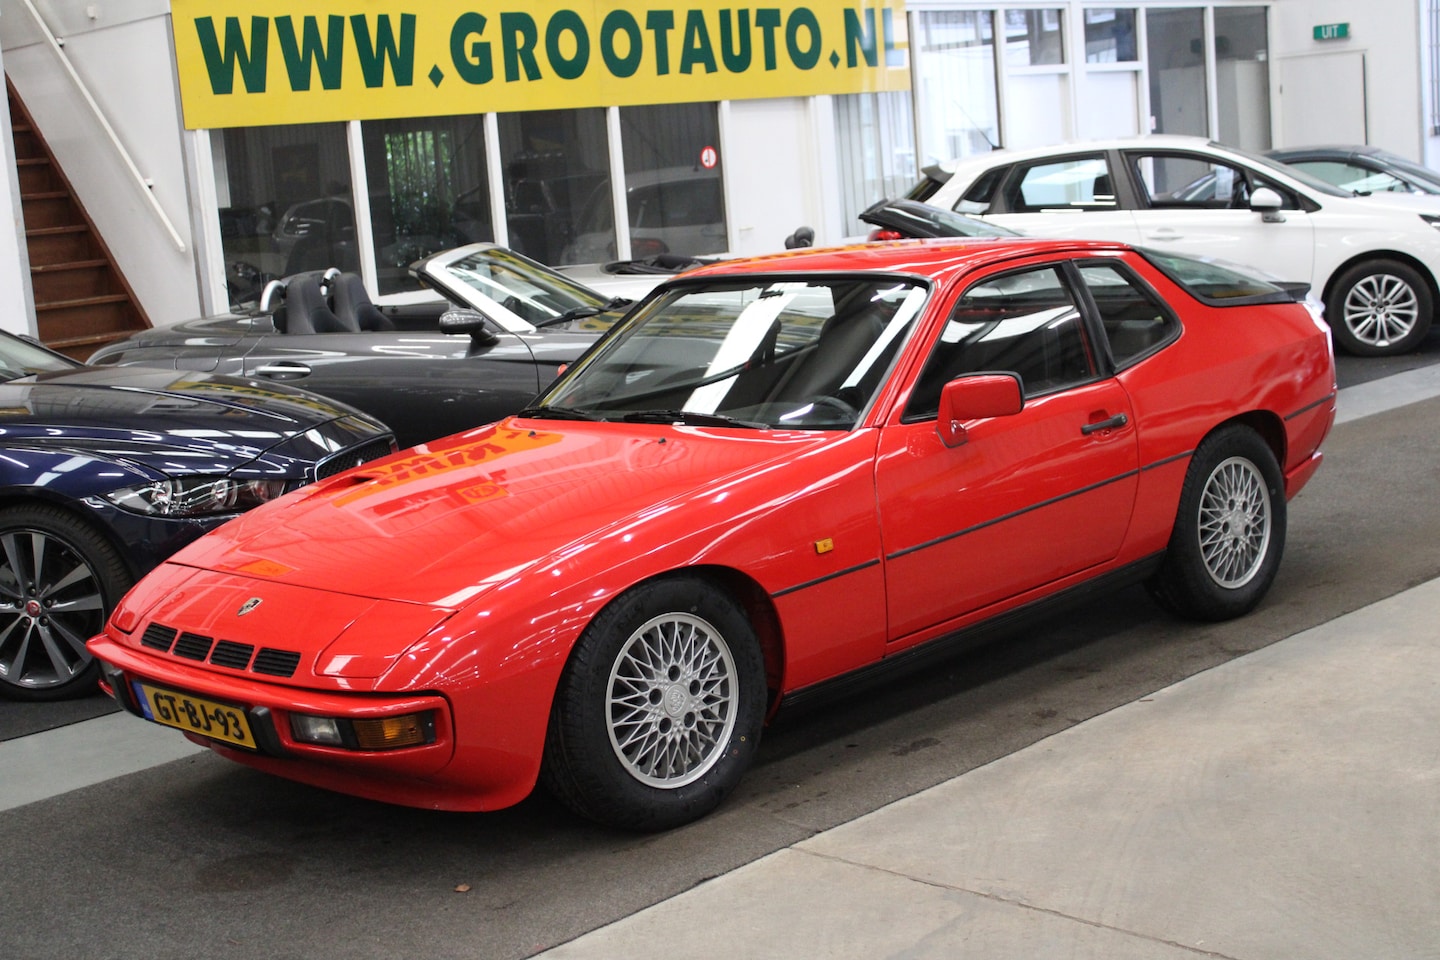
pixel 391 732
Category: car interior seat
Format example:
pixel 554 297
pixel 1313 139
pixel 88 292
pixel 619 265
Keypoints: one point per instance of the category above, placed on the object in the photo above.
pixel 352 305
pixel 306 310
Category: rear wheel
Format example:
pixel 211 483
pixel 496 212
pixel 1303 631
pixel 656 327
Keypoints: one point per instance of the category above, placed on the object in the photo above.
pixel 1229 532
pixel 658 714
pixel 59 579
pixel 1378 308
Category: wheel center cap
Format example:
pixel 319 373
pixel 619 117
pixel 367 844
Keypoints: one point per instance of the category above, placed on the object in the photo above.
pixel 32 608
pixel 675 700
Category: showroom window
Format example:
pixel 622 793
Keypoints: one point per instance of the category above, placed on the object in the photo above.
pixel 554 162
pixel 1037 79
pixel 1175 42
pixel 1110 36
pixel 955 90
pixel 1109 92
pixel 285 203
pixel 1242 77
pixel 428 191
pixel 1034 38
pixel 674 194
pixel 875 142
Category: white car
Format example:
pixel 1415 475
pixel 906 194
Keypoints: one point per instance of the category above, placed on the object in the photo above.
pixel 1373 261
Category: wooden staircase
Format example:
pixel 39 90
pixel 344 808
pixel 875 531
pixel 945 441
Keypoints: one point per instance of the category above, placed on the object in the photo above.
pixel 82 301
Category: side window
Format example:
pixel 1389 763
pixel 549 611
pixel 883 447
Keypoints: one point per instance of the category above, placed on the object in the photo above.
pixel 1026 323
pixel 982 192
pixel 1171 180
pixel 1135 321
pixel 1072 183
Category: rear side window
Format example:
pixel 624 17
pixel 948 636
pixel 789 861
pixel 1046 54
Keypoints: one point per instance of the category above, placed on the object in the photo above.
pixel 1136 322
pixel 1025 323
pixel 1075 183
pixel 982 192
pixel 1218 283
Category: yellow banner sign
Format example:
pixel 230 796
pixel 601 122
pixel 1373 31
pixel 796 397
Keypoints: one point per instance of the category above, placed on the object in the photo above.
pixel 262 62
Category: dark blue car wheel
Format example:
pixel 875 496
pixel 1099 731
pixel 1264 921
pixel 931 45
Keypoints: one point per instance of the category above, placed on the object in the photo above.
pixel 59 579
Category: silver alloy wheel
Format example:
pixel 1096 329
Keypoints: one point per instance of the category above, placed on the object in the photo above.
pixel 1381 309
pixel 50 604
pixel 672 698
pixel 1234 522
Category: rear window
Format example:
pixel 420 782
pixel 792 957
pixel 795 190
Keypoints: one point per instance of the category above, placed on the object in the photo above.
pixel 1219 283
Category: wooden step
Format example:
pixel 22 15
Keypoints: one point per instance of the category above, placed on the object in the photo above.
pixel 51 208
pixel 72 280
pixel 54 245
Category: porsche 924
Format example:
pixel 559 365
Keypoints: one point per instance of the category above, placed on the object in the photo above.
pixel 773 477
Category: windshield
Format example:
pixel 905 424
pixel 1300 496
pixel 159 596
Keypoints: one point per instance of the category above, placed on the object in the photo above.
pixel 21 359
pixel 523 288
pixel 774 353
pixel 1294 173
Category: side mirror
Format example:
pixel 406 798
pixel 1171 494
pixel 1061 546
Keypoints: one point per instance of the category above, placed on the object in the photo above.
pixel 976 397
pixel 1266 201
pixel 454 323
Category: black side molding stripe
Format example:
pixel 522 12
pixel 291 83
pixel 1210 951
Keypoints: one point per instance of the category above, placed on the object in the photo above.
pixel 1311 406
pixel 1011 516
pixel 829 576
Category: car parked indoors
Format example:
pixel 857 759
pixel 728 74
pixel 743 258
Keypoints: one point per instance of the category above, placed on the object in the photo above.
pixel 107 471
pixel 773 478
pixel 1373 261
pixel 395 361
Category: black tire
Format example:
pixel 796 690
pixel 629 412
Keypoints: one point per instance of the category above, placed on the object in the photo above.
pixel 59 580
pixel 659 711
pixel 1379 308
pixel 1229 530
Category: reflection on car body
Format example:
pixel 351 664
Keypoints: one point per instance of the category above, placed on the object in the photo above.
pixel 771 477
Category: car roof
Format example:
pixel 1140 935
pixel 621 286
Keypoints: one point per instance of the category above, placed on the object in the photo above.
pixel 1007 154
pixel 928 257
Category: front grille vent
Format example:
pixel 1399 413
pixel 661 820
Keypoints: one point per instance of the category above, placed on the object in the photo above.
pixel 236 656
pixel 353 457
pixel 192 646
pixel 276 663
pixel 158 637
pixel 225 653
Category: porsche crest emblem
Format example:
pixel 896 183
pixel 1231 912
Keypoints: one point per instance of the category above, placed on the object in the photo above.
pixel 247 606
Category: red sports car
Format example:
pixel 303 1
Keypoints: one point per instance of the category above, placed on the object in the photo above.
pixel 773 475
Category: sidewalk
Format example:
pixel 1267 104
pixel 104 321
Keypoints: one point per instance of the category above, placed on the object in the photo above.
pixel 1285 804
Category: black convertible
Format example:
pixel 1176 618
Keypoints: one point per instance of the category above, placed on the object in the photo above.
pixel 499 331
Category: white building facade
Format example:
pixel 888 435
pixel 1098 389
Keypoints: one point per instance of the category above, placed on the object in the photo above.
pixel 204 183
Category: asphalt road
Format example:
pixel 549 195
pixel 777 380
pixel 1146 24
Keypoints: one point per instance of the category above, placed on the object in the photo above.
pixel 203 858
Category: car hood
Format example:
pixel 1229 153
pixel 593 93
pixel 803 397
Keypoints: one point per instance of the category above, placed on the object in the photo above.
pixel 1416 203
pixel 442 523
pixel 179 423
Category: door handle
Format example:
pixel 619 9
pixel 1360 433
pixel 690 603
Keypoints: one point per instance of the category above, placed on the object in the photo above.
pixel 1165 233
pixel 283 370
pixel 1119 420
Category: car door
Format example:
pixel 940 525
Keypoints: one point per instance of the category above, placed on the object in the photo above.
pixel 422 384
pixel 1198 204
pixel 1074 195
pixel 1028 499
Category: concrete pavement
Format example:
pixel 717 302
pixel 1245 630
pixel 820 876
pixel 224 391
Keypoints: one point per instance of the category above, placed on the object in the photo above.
pixel 1283 805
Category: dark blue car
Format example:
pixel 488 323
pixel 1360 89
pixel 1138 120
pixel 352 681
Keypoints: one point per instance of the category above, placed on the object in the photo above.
pixel 105 471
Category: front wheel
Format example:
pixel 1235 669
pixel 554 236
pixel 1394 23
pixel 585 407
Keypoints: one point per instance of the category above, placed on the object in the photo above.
pixel 59 579
pixel 1379 308
pixel 1229 531
pixel 659 711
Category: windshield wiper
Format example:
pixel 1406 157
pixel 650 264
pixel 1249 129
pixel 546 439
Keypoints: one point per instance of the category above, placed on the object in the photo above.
pixel 579 313
pixel 691 419
pixel 557 413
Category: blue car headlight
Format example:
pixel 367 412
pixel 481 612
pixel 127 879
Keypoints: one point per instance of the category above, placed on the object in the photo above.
pixel 195 496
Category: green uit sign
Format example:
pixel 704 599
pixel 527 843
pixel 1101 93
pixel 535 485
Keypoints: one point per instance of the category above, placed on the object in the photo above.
pixel 1332 31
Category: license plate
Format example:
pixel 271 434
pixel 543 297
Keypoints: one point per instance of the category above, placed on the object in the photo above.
pixel 218 721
